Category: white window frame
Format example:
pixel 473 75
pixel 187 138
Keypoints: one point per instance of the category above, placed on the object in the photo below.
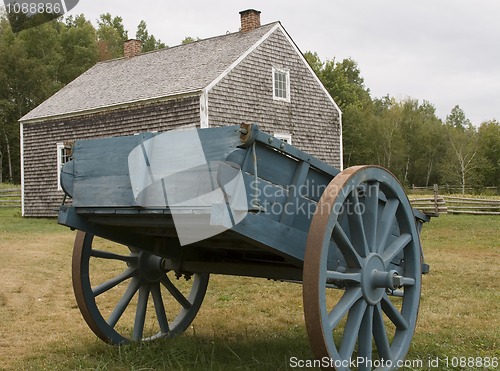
pixel 285 137
pixel 60 162
pixel 286 74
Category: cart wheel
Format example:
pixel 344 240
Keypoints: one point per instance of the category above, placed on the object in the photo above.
pixel 363 239
pixel 124 294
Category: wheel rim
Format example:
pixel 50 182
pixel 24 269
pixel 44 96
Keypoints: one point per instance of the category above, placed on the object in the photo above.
pixel 362 239
pixel 124 294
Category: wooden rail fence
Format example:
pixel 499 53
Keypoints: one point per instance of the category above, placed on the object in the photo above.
pixel 475 206
pixel 438 204
pixel 434 205
pixel 10 198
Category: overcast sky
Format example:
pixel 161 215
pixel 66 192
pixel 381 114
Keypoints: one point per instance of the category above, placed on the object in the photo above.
pixel 444 51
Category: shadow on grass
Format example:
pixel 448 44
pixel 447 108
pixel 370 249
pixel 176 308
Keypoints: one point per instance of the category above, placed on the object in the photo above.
pixel 187 352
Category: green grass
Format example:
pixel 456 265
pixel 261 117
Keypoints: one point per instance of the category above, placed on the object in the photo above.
pixel 244 323
pixel 9 186
pixel 12 223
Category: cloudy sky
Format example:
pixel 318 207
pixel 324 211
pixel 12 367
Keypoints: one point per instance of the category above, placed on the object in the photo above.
pixel 444 51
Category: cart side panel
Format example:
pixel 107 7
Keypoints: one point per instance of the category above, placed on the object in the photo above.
pixel 99 174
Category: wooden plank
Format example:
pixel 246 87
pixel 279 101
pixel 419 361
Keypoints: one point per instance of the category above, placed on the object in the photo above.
pixel 465 203
pixel 10 190
pixel 475 207
pixel 452 198
pixel 473 212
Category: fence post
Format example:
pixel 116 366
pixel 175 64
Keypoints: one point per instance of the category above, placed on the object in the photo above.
pixel 436 206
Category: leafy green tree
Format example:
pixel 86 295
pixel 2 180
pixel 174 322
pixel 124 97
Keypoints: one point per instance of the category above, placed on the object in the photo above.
pixel 462 161
pixel 346 86
pixel 34 64
pixel 79 47
pixel 457 119
pixel 314 61
pixel 428 147
pixel 385 132
pixel 111 35
pixel 189 40
pixel 489 153
pixel 28 75
pixel 149 42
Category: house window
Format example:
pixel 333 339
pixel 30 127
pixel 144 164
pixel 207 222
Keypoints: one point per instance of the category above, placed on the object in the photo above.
pixel 63 156
pixel 281 84
pixel 287 138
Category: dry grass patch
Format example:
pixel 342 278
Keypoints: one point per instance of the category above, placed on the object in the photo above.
pixel 244 323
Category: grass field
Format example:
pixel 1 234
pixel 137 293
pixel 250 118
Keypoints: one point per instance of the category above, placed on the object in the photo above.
pixel 244 323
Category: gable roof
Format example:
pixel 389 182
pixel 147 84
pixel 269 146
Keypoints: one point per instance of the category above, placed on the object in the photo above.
pixel 160 74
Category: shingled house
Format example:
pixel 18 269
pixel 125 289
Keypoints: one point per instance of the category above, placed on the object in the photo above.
pixel 256 75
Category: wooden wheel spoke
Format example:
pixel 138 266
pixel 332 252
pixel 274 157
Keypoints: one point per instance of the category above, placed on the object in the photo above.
pixel 396 247
pixel 109 255
pixel 160 309
pixel 380 334
pixel 140 313
pixel 393 313
pixel 332 276
pixel 124 301
pixel 356 225
pixel 370 216
pixel 365 338
pixel 108 285
pixel 349 298
pixel 386 223
pixel 174 291
pixel 350 254
pixel 352 327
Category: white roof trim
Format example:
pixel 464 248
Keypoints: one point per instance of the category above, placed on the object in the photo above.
pixel 241 58
pixel 297 50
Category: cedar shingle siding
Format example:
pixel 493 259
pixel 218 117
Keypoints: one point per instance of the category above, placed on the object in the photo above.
pixel 41 198
pixel 170 88
pixel 246 95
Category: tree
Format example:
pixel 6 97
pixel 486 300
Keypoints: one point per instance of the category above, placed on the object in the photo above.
pixel 462 160
pixel 79 47
pixel 457 119
pixel 346 86
pixel 429 147
pixel 489 153
pixel 149 42
pixel 189 40
pixel 314 61
pixel 111 35
pixel 34 64
pixel 28 75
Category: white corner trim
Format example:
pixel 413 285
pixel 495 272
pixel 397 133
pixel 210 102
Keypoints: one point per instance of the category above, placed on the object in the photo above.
pixel 241 58
pixel 341 143
pixel 22 167
pixel 204 110
pixel 59 147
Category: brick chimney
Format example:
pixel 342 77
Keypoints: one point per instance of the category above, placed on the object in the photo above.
pixel 131 48
pixel 250 20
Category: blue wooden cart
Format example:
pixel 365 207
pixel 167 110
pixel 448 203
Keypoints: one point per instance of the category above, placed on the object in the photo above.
pixel 156 213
